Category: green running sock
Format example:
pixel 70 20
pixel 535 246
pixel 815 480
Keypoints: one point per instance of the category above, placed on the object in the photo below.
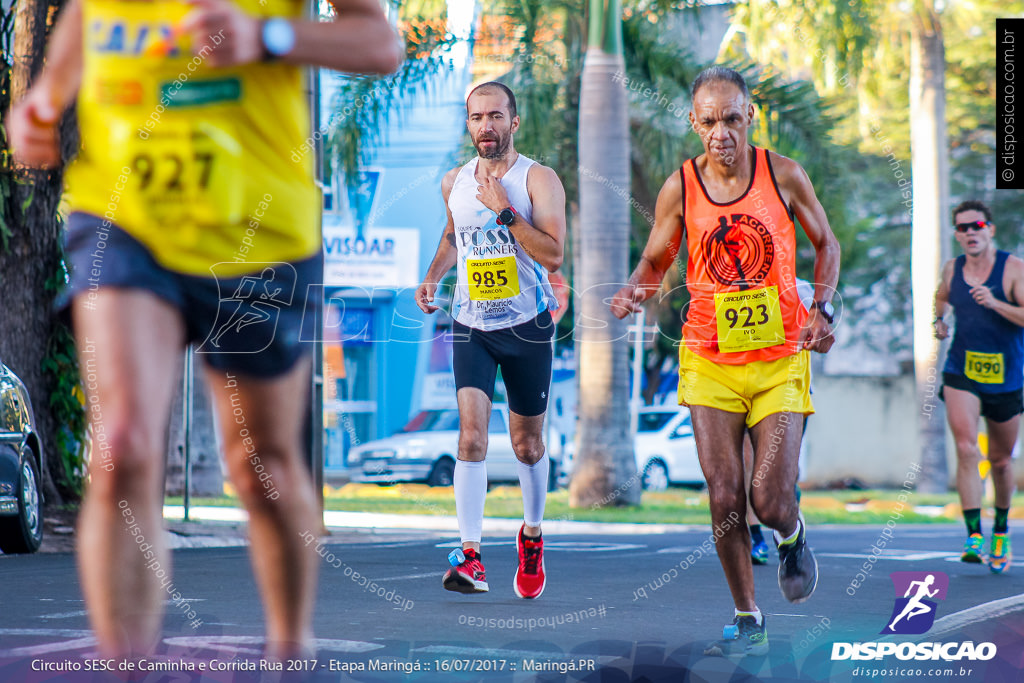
pixel 1001 525
pixel 973 519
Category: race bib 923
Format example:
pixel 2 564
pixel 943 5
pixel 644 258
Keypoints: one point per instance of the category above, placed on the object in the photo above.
pixel 749 319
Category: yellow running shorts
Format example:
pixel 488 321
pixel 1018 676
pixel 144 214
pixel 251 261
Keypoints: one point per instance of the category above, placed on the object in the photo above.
pixel 758 389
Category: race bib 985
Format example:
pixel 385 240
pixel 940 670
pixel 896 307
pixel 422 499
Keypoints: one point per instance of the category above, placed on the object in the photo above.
pixel 491 279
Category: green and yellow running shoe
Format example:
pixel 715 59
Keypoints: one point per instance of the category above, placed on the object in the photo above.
pixel 999 556
pixel 972 549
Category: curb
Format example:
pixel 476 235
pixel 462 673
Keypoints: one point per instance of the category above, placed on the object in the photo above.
pixel 232 522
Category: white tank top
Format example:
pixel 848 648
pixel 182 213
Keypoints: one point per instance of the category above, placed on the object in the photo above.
pixel 499 285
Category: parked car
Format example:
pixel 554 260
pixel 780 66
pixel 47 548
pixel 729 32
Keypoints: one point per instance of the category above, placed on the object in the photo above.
pixel 21 462
pixel 426 448
pixel 666 452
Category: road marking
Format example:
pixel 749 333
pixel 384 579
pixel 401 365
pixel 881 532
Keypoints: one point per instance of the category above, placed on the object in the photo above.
pixel 394 544
pixel 45 632
pixel 243 644
pixel 408 577
pixel 577 546
pixel 497 653
pixel 986 611
pixel 48 648
pixel 898 555
pixel 65 615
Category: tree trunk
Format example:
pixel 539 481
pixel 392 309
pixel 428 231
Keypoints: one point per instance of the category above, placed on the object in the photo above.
pixel 605 470
pixel 931 231
pixel 32 258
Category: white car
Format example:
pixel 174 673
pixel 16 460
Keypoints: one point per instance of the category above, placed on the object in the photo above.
pixel 426 448
pixel 666 452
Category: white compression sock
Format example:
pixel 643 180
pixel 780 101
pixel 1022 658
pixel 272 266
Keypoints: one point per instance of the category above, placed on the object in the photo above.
pixel 779 540
pixel 470 493
pixel 534 481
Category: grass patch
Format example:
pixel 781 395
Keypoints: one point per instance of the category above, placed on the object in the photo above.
pixel 675 506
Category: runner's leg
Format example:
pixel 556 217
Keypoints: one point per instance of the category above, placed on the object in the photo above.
pixel 963 410
pixel 128 344
pixel 270 435
pixel 719 437
pixel 776 441
pixel 528 444
pixel 470 470
pixel 1002 438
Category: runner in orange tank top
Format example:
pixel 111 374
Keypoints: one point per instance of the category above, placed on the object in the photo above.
pixel 744 357
pixel 742 251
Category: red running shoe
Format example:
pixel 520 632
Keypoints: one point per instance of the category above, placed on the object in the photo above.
pixel 467 577
pixel 530 577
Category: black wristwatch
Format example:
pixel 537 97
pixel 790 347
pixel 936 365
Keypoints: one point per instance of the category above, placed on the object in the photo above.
pixel 827 310
pixel 507 216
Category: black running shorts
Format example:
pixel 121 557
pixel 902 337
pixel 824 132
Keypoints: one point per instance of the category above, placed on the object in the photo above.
pixel 996 407
pixel 258 324
pixel 523 353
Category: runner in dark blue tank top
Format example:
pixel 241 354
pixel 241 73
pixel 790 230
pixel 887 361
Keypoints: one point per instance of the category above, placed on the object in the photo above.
pixel 984 371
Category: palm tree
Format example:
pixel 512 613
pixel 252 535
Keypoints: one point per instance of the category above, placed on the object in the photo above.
pixel 605 471
pixel 931 227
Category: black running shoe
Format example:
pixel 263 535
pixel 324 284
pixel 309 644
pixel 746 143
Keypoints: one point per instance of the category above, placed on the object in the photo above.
pixel 798 570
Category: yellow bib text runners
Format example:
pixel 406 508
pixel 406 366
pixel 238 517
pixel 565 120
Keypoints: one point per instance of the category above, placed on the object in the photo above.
pixel 182 155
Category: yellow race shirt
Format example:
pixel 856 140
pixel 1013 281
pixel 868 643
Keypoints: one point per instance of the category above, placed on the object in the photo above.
pixel 202 165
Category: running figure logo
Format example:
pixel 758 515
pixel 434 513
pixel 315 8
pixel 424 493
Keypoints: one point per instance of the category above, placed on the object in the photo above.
pixel 914 613
pixel 247 317
pixel 740 251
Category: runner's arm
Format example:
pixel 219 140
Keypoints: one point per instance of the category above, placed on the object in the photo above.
pixel 942 301
pixel 358 40
pixel 816 334
pixel 446 254
pixel 795 184
pixel 62 74
pixel 544 239
pixel 31 125
pixel 1011 311
pixel 659 253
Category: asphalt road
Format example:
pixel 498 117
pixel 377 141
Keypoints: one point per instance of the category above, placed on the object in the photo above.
pixel 620 608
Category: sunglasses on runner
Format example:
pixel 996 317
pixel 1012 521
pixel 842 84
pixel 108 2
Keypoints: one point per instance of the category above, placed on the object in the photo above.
pixel 974 225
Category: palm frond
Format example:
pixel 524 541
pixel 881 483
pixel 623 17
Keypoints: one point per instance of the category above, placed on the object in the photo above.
pixel 363 106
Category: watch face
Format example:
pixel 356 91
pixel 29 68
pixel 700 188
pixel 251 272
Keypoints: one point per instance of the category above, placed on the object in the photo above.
pixel 506 216
pixel 278 37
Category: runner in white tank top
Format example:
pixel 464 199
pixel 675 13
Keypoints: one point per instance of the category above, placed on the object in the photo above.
pixel 499 283
pixel 505 232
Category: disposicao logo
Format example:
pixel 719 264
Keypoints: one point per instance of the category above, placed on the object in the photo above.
pixel 914 612
pixel 917 594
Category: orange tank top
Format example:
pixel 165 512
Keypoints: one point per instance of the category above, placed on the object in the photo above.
pixel 741 271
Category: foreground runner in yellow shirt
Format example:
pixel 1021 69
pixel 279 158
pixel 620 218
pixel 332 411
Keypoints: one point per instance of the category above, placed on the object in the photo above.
pixel 193 220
